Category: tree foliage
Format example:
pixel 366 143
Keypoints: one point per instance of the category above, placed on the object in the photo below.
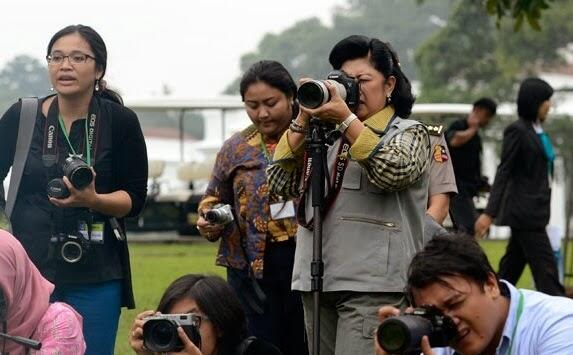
pixel 470 57
pixel 20 77
pixel 520 10
pixel 304 47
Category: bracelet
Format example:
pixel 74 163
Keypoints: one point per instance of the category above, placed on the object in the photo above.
pixel 346 123
pixel 296 127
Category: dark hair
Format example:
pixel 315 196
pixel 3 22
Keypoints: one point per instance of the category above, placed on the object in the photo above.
pixel 99 49
pixel 532 93
pixel 487 104
pixel 273 74
pixel 448 255
pixel 217 300
pixel 384 59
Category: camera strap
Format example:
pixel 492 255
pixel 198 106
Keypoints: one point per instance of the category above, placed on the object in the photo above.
pixel 50 153
pixel 340 165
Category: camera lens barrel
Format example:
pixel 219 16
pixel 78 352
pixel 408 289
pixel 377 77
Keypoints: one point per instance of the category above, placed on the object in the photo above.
pixel 313 94
pixel 402 334
pixel 78 172
pixel 160 335
pixel 71 251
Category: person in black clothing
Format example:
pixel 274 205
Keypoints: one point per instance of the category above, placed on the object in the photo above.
pixel 86 120
pixel 522 186
pixel 465 147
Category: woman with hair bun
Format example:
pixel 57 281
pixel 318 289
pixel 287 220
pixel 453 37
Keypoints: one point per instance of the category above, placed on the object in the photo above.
pixel 375 209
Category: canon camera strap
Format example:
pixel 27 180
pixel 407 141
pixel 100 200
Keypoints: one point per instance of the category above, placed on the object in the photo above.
pixel 50 154
pixel 340 166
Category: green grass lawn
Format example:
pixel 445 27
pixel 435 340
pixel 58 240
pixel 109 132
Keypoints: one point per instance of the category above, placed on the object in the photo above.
pixel 155 266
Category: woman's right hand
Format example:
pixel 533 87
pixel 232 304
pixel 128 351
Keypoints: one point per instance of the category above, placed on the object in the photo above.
pixel 136 333
pixel 206 229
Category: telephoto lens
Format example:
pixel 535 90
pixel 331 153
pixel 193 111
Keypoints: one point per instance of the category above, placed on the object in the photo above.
pixel 314 93
pixel 403 334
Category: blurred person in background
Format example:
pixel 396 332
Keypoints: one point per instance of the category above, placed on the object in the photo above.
pixel 94 276
pixel 442 184
pixel 521 193
pixel 257 248
pixel 25 307
pixel 380 197
pixel 465 147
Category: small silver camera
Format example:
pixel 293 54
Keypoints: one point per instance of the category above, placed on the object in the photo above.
pixel 219 214
pixel 160 331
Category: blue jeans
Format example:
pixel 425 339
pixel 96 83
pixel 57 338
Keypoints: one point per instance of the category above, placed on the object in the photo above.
pixel 100 306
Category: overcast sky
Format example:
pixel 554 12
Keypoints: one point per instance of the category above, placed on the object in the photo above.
pixel 193 46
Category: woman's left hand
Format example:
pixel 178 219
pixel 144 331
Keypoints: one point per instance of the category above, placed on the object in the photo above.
pixel 188 347
pixel 85 197
pixel 334 111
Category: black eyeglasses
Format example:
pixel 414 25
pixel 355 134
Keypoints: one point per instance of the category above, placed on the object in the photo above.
pixel 73 58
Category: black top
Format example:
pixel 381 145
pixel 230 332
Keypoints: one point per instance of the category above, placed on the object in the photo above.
pixel 521 194
pixel 466 160
pixel 120 164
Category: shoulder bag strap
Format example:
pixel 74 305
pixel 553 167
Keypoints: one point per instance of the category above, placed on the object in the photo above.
pixel 25 131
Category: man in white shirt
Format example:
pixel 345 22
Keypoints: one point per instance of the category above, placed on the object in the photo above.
pixel 491 316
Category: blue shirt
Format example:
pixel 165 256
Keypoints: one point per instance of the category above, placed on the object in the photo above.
pixel 545 326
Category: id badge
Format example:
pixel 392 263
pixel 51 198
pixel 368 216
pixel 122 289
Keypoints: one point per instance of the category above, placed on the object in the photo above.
pixel 282 210
pixel 97 231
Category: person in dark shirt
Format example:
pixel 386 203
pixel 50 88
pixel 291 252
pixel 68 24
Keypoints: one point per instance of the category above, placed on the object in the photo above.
pixel 85 120
pixel 465 147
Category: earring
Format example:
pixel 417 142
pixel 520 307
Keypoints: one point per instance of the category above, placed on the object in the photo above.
pixel 51 88
pixel 97 85
pixel 388 99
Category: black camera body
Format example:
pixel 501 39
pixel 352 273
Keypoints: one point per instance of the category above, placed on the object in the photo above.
pixel 69 248
pixel 403 334
pixel 220 214
pixel 314 93
pixel 77 171
pixel 160 332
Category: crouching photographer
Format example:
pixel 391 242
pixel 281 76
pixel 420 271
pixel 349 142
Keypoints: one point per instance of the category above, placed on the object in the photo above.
pixel 468 310
pixel 197 314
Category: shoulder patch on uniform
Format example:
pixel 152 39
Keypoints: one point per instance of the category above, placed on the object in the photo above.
pixel 434 130
pixel 440 153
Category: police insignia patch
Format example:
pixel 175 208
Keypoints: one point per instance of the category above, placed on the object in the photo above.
pixel 440 154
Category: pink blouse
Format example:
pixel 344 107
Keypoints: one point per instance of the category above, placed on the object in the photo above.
pixel 60 331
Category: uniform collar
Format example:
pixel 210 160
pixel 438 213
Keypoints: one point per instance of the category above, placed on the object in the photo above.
pixel 380 119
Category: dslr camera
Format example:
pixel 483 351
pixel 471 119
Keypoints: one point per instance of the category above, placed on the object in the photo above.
pixel 314 93
pixel 77 171
pixel 403 334
pixel 219 214
pixel 160 332
pixel 68 247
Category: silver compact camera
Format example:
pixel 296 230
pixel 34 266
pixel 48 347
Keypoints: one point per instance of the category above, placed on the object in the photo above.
pixel 220 214
pixel 160 331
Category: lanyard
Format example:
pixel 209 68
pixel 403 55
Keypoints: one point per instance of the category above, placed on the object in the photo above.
pixel 88 145
pixel 51 131
pixel 517 317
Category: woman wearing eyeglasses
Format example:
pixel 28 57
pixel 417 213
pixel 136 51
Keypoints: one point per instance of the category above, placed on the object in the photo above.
pixel 217 315
pixel 85 171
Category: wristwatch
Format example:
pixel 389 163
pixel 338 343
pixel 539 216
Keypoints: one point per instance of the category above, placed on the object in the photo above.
pixel 346 123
